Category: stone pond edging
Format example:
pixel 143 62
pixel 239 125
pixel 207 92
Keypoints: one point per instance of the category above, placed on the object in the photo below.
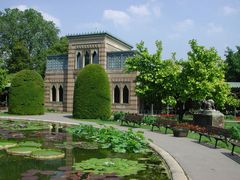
pixel 176 170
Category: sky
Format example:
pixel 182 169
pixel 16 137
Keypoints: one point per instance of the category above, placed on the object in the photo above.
pixel 214 23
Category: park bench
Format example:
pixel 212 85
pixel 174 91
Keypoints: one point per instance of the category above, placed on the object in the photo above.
pixel 132 118
pixel 219 134
pixel 234 143
pixel 167 124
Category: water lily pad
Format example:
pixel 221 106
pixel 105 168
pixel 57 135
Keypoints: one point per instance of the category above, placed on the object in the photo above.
pixel 47 154
pixel 121 167
pixel 30 144
pixel 6 144
pixel 22 150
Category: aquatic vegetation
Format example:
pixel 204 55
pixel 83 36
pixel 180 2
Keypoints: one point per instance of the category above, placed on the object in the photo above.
pixel 22 125
pixel 7 144
pixel 21 150
pixel 30 144
pixel 47 154
pixel 109 137
pixel 120 167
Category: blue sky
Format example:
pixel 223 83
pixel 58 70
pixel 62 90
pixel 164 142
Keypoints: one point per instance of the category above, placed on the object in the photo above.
pixel 214 23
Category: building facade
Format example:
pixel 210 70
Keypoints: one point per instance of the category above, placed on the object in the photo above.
pixel 94 48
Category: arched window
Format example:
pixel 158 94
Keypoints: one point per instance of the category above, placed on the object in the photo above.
pixel 95 58
pixel 125 94
pixel 87 58
pixel 54 94
pixel 79 61
pixel 116 94
pixel 60 90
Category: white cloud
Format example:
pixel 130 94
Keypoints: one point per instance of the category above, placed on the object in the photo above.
pixel 21 7
pixel 228 10
pixel 213 28
pixel 184 25
pixel 180 28
pixel 139 10
pixel 45 15
pixel 49 17
pixel 117 17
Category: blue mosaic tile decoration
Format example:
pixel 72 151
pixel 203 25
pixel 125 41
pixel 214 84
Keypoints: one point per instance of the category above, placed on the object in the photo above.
pixel 116 60
pixel 57 62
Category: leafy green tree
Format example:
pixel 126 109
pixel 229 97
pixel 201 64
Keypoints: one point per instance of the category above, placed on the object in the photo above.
pixel 32 31
pixel 233 65
pixel 3 77
pixel 60 47
pixel 20 58
pixel 157 78
pixel 202 78
pixel 199 77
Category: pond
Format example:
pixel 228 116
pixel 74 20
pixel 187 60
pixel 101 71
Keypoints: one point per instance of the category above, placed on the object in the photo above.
pixel 30 150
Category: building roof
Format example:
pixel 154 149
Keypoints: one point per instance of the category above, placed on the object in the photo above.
pixel 72 36
pixel 234 84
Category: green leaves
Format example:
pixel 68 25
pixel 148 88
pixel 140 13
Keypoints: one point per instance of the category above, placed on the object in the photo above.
pixel 34 33
pixel 199 77
pixel 120 167
pixel 119 141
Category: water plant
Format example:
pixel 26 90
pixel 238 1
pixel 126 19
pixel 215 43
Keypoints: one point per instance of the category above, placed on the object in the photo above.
pixel 21 150
pixel 30 144
pixel 109 137
pixel 118 166
pixel 47 154
pixel 7 144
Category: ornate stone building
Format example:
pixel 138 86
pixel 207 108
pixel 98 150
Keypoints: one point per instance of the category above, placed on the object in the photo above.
pixel 84 49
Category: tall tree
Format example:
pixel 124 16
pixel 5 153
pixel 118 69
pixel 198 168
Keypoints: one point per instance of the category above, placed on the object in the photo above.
pixel 60 47
pixel 199 77
pixel 3 77
pixel 202 78
pixel 157 78
pixel 233 65
pixel 34 33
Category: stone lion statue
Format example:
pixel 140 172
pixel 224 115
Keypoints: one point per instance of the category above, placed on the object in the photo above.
pixel 208 105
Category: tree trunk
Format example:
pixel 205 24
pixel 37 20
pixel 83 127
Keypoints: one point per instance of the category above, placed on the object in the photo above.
pixel 181 111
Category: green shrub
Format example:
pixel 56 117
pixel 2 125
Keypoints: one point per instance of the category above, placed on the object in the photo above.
pixel 119 115
pixel 92 94
pixel 26 94
pixel 235 132
pixel 149 119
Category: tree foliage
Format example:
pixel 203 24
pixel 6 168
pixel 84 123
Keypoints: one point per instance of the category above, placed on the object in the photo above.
pixel 233 65
pixel 27 33
pixel 92 94
pixel 202 76
pixel 26 94
pixel 199 77
pixel 157 77
pixel 3 77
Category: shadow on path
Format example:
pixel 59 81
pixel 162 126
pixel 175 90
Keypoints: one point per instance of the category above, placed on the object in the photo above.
pixel 234 157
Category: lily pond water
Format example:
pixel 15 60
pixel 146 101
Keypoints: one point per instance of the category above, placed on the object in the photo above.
pixel 44 151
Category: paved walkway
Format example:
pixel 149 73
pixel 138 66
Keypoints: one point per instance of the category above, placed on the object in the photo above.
pixel 199 161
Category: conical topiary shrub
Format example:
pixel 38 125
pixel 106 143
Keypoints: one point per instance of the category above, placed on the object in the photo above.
pixel 26 94
pixel 92 94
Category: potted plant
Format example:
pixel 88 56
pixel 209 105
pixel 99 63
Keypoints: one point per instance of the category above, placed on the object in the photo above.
pixel 180 130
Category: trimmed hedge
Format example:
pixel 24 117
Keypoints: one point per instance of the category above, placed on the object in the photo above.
pixel 26 94
pixel 92 94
